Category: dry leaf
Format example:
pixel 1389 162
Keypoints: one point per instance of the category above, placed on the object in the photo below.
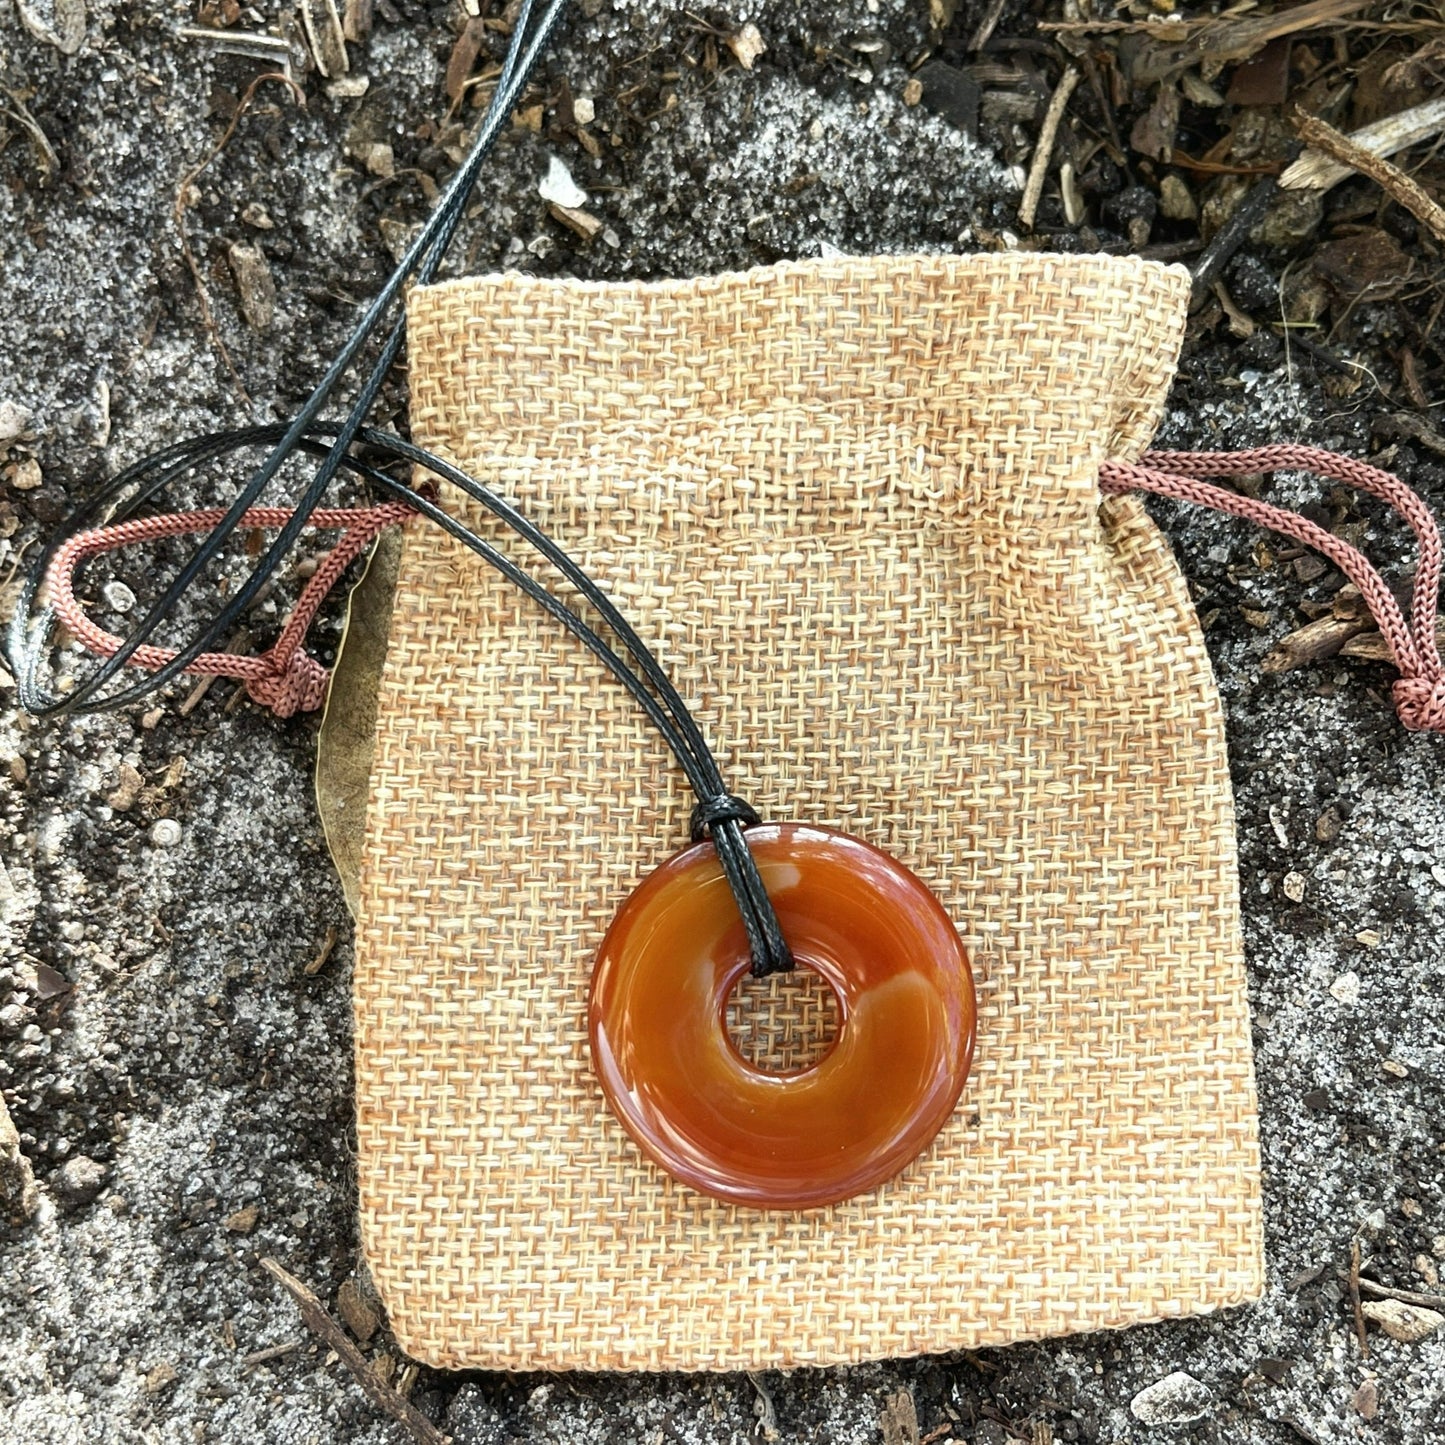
pixel 1154 132
pixel 464 57
pixel 347 740
pixel 69 33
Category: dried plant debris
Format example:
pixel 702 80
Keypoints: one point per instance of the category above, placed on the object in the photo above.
pixel 1183 139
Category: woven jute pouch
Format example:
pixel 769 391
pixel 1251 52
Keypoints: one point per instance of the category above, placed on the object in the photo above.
pixel 854 507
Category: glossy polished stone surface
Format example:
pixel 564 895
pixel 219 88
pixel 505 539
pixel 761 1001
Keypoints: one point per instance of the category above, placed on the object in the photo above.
pixel 815 1136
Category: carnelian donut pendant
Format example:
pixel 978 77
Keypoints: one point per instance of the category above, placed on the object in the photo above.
pixel 815 1136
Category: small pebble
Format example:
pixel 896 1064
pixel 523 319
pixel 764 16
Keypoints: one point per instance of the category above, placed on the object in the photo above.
pixel 159 1378
pixel 1294 887
pixel 584 111
pixel 1411 1208
pixel 1346 988
pixel 165 833
pixel 1367 1400
pixel 1425 1268
pixel 747 45
pixel 118 597
pixel 1177 1399
pixel 1395 1069
pixel 25 476
pixel 1368 938
pixel 558 186
pixel 79 1180
pixel 1176 202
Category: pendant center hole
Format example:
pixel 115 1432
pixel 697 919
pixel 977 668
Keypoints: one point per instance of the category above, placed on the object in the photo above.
pixel 784 1023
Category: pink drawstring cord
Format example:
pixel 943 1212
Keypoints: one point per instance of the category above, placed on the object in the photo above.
pixel 1419 693
pixel 285 678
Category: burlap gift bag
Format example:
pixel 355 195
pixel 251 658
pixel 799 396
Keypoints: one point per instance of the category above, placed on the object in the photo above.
pixel 854 506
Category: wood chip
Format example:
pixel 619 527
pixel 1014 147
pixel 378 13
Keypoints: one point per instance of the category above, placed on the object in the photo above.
pixel 1394 1068
pixel 584 223
pixel 1368 938
pixel 1372 647
pixel 463 57
pixel 356 24
pixel 255 288
pixel 1154 132
pixel 357 1311
pixel 1404 1322
pixel 899 1420
pixel 1326 637
pixel 1382 138
pixel 127 790
pixel 1390 178
pixel 160 1377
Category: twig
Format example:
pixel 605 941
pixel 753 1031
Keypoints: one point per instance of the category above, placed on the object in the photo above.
pixel 1382 138
pixel 240 645
pixel 1355 1298
pixel 1230 237
pixel 1406 1296
pixel 1039 166
pixel 323 953
pixel 1388 176
pixel 991 17
pixel 334 1337
pixel 183 204
pixel 271 1352
pixel 243 42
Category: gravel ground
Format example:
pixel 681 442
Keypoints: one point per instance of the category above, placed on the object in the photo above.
pixel 179 1078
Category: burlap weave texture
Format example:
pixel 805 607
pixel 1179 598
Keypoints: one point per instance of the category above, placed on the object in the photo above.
pixel 853 505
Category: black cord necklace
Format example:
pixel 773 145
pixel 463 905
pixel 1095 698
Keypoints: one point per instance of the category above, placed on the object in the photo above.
pixel 719 814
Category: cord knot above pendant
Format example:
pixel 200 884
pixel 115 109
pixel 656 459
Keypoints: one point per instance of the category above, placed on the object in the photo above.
pixel 722 808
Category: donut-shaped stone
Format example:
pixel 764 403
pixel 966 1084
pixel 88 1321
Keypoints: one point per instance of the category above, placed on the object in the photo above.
pixel 840 1127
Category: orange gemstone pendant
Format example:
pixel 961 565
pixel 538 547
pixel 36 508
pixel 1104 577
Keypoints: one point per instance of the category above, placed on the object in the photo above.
pixel 845 1124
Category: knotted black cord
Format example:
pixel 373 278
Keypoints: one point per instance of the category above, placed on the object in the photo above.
pixel 719 814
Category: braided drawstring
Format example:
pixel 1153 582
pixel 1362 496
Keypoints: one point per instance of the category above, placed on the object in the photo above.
pixel 1419 694
pixel 284 678
pixel 288 680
